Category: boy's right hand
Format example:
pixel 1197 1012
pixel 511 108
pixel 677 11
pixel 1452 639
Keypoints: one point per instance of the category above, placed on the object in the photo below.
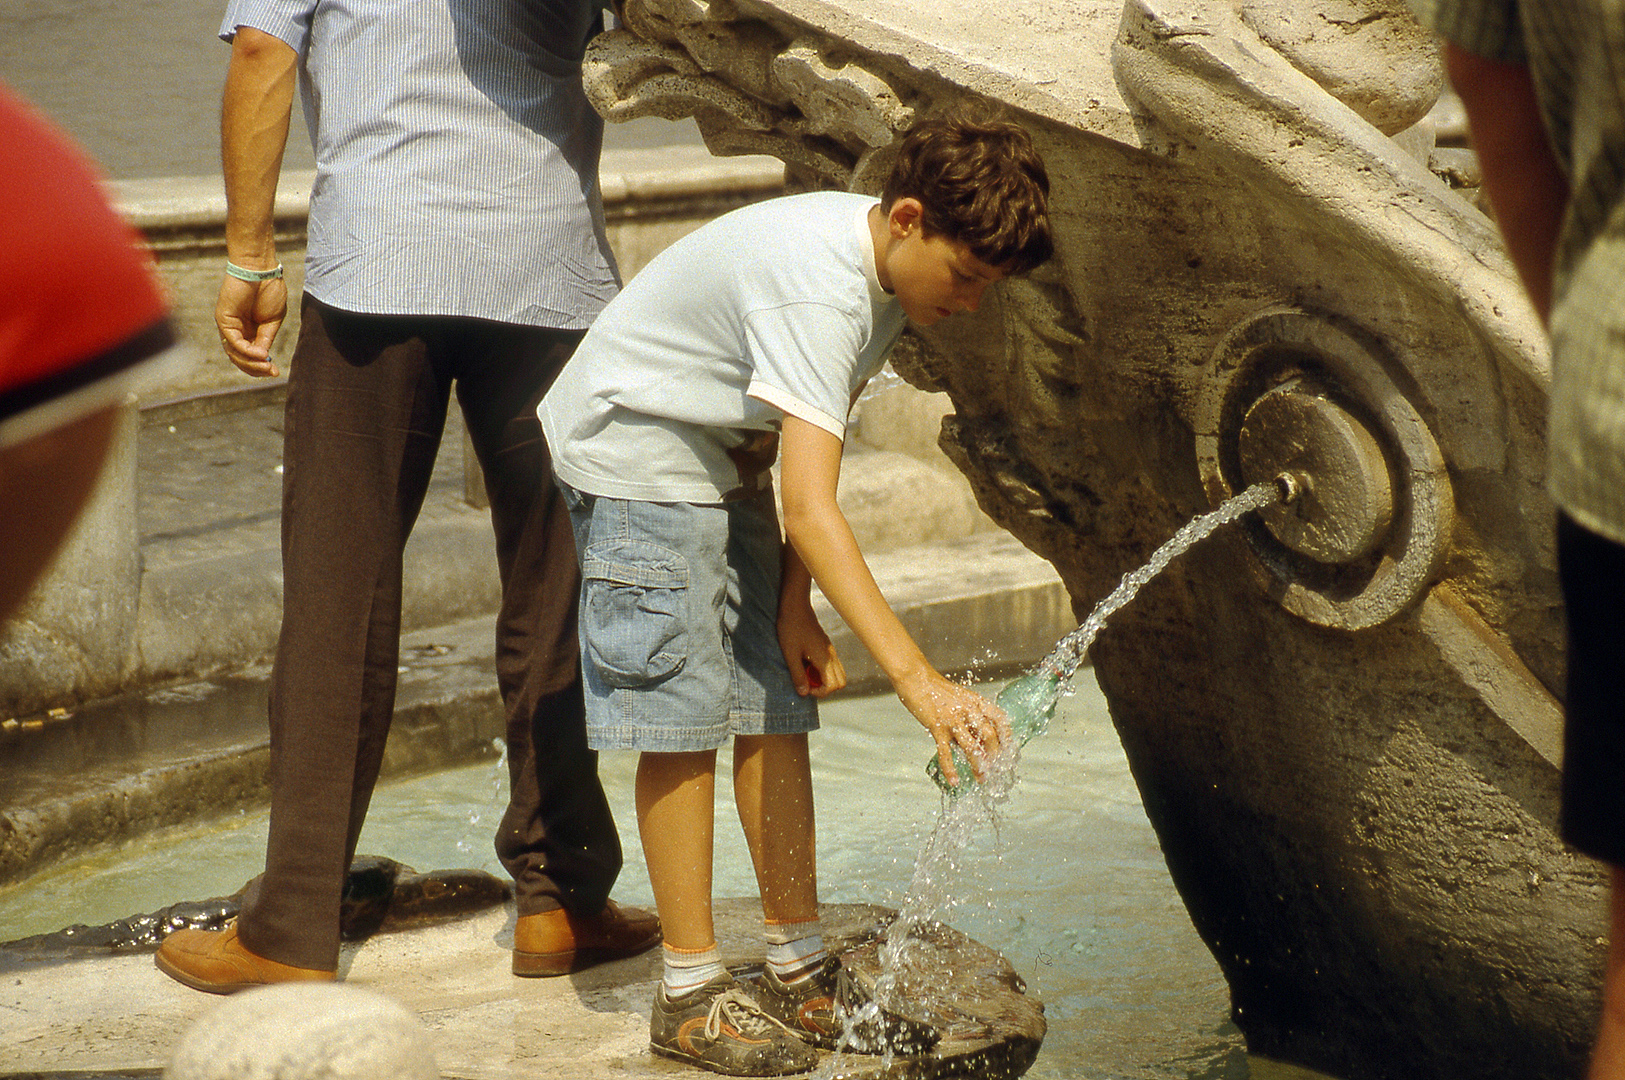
pixel 956 715
pixel 814 667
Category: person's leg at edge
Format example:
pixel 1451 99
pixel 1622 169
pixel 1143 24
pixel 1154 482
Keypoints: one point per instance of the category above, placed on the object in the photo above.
pixel 557 838
pixel 1592 571
pixel 366 408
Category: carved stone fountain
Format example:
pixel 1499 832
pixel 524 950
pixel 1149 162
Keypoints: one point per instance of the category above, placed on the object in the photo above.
pixel 1341 718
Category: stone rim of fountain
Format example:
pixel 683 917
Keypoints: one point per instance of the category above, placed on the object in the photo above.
pixel 1310 393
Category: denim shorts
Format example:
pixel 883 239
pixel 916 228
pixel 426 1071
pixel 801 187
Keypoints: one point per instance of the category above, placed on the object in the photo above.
pixel 679 624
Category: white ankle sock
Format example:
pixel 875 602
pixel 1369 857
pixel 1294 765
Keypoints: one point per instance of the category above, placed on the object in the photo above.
pixel 795 950
pixel 688 970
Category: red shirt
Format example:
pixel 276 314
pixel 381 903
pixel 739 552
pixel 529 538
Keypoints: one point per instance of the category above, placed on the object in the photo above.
pixel 80 302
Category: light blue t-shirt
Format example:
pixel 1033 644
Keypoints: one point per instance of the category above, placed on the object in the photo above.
pixel 677 392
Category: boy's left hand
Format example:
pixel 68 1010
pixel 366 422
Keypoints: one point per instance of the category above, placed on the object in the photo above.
pixel 814 667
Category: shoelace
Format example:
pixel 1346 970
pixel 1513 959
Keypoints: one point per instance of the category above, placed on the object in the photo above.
pixel 742 1011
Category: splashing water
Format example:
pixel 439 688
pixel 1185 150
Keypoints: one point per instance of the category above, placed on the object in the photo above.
pixel 499 779
pixel 1029 701
pixel 907 961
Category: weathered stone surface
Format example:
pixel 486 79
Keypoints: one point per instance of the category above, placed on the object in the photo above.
pixel 1371 55
pixel 306 1032
pixel 1351 764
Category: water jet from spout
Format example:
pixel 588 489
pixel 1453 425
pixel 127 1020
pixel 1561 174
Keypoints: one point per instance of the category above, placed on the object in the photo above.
pixel 1029 701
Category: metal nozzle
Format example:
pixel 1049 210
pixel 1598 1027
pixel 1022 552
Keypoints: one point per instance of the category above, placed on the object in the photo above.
pixel 1291 485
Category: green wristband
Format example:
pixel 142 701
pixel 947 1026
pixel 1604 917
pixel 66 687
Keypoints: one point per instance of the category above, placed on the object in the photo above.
pixel 242 274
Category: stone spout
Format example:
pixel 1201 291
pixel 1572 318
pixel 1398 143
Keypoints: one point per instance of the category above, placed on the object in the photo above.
pixel 1341 716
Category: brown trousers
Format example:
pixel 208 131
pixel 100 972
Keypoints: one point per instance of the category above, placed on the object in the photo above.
pixel 367 400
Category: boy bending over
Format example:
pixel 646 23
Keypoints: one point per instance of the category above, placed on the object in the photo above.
pixel 757 330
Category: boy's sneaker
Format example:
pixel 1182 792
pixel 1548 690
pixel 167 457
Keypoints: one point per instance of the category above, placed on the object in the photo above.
pixel 720 1027
pixel 831 1009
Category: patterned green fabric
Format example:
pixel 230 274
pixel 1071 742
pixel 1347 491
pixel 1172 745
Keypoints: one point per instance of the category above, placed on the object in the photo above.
pixel 1484 28
pixel 1575 50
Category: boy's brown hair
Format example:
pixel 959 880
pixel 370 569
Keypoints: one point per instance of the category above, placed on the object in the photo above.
pixel 982 183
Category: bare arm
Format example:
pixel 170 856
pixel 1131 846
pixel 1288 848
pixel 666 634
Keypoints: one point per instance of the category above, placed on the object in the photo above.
pixel 1522 177
pixel 822 538
pixel 253 135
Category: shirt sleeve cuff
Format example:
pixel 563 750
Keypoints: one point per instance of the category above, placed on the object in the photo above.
pixel 797 408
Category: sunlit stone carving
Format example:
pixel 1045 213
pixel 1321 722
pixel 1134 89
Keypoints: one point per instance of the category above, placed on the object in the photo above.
pixel 1351 761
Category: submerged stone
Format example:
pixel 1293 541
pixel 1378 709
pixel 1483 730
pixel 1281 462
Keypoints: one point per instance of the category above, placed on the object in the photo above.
pixel 989 1027
pixel 380 896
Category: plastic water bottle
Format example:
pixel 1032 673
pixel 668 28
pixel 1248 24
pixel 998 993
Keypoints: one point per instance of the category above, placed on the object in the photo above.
pixel 1029 702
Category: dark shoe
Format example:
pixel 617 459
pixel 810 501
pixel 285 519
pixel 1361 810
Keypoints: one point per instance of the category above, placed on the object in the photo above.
pixel 833 1010
pixel 216 962
pixel 720 1027
pixel 558 942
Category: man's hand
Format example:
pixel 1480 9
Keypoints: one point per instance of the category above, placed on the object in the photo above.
pixel 248 315
pixel 955 715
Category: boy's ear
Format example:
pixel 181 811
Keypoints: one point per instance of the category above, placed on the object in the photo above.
pixel 904 216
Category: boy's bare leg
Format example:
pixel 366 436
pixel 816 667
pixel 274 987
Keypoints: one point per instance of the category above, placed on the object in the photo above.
pixel 675 794
pixel 1608 1056
pixel 801 986
pixel 773 790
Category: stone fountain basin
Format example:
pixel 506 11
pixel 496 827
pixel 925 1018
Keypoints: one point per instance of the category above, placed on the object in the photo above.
pixel 1346 728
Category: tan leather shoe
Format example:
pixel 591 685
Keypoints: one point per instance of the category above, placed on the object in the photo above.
pixel 216 962
pixel 559 942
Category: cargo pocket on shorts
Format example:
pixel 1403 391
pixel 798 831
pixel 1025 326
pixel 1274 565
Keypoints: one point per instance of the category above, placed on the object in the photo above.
pixel 632 611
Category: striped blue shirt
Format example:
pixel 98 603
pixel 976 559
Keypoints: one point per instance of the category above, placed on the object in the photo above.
pixel 456 156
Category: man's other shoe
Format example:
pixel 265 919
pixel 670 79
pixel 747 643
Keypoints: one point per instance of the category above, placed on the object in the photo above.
pixel 216 962
pixel 558 942
pixel 721 1027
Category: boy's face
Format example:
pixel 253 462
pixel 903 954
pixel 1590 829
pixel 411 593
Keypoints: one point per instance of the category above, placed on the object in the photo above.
pixel 932 276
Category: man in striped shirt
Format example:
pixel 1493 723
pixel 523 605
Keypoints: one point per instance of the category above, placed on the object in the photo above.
pixel 456 235
pixel 1544 86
